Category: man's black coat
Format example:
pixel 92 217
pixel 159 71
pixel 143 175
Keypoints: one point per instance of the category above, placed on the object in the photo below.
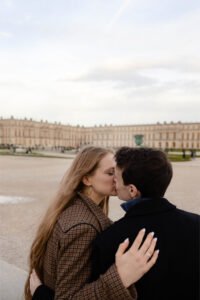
pixel 176 272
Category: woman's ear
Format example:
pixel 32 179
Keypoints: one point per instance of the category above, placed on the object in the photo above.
pixel 86 180
pixel 133 191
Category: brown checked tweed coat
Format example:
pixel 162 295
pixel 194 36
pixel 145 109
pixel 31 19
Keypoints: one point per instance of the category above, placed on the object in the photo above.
pixel 67 262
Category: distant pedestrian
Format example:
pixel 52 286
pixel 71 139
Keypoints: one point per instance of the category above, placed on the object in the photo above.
pixel 183 154
pixel 192 154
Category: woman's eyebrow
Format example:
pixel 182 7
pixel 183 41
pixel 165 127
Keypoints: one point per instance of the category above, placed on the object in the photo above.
pixel 110 169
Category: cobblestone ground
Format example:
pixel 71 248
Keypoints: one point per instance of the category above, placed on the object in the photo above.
pixel 38 178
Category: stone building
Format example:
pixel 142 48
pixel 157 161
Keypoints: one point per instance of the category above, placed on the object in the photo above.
pixel 30 133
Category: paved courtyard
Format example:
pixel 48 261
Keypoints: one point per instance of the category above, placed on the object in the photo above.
pixel 27 185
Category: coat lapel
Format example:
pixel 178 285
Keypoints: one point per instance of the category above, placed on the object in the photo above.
pixel 103 220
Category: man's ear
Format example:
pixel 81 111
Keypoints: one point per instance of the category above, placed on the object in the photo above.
pixel 86 180
pixel 133 191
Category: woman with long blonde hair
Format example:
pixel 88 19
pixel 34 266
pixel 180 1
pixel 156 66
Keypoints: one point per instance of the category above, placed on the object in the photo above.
pixel 61 251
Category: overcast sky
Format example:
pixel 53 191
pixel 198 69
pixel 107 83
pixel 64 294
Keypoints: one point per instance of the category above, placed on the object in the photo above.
pixel 93 62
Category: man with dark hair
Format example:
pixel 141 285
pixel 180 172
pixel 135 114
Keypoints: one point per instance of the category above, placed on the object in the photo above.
pixel 142 177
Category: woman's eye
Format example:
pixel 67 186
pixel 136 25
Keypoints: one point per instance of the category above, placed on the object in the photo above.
pixel 111 174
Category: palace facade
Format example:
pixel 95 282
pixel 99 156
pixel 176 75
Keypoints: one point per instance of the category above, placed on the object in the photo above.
pixel 30 133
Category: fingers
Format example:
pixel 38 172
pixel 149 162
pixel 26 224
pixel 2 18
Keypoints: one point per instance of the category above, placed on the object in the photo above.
pixel 147 243
pixel 152 260
pixel 33 274
pixel 151 249
pixel 34 282
pixel 145 250
pixel 34 277
pixel 138 240
pixel 122 248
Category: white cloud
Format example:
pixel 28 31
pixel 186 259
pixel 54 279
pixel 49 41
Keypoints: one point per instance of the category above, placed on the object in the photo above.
pixel 4 34
pixel 120 11
pixel 8 3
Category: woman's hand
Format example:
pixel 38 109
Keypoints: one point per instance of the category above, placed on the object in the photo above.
pixel 138 260
pixel 34 282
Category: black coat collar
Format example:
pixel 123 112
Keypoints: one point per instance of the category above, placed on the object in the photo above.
pixel 151 206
